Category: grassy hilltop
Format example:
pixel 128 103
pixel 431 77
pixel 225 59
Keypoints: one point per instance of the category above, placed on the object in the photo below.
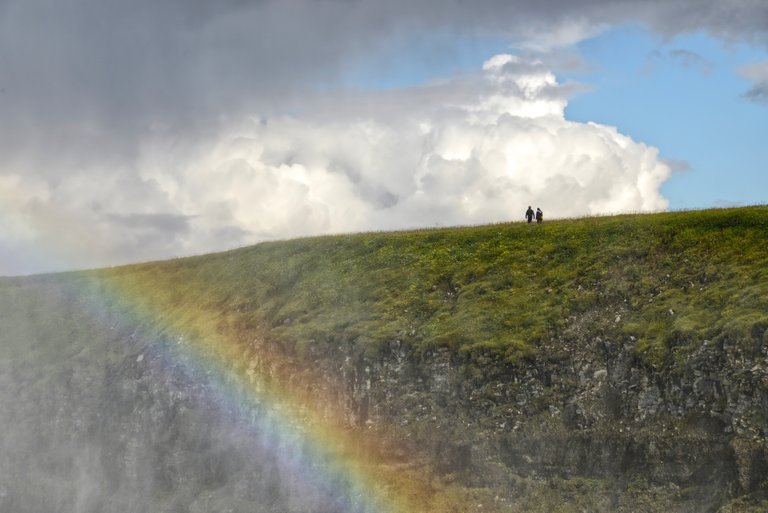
pixel 670 279
pixel 602 364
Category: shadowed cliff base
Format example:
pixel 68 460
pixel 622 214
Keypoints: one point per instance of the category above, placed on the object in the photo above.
pixel 604 364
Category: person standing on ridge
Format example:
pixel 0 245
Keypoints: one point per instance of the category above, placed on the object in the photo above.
pixel 539 215
pixel 529 214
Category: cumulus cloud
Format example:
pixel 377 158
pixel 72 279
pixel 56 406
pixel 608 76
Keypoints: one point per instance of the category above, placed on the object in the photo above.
pixel 469 150
pixel 474 149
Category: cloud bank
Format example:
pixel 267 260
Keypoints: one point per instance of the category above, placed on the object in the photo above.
pixel 147 129
pixel 107 62
pixel 474 149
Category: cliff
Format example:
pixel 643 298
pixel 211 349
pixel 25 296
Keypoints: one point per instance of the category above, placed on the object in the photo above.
pixel 606 364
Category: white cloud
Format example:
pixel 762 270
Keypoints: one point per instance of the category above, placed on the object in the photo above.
pixel 475 149
pixel 470 150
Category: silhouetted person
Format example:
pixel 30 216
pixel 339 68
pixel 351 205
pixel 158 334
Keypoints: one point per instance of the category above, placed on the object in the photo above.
pixel 529 214
pixel 539 215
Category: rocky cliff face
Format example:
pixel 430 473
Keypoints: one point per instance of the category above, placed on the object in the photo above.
pixel 686 436
pixel 98 417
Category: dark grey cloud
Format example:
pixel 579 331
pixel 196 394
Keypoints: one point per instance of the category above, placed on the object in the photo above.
pixel 131 65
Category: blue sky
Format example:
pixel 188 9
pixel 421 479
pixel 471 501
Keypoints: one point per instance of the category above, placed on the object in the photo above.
pixel 683 95
pixel 692 111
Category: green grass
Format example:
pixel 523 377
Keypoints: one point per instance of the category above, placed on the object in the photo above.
pixel 672 279
pixel 667 281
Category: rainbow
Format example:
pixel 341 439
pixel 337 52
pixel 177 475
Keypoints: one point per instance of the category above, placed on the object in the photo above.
pixel 302 425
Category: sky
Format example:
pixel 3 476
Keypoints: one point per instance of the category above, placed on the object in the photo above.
pixel 134 131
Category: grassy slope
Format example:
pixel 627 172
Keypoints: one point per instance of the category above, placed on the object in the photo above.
pixel 670 279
